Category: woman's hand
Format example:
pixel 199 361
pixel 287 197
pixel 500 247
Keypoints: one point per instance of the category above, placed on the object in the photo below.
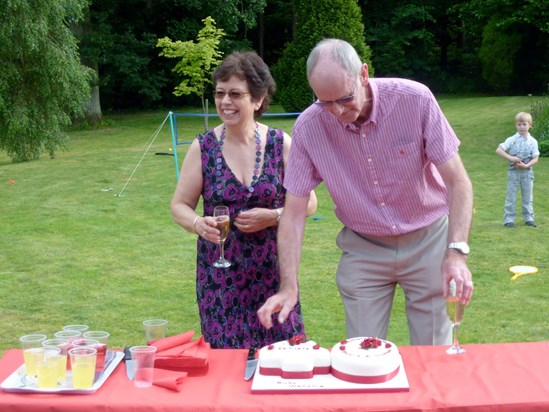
pixel 206 228
pixel 254 220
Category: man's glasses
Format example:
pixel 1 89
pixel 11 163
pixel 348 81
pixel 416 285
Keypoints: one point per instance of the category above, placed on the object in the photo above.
pixel 233 94
pixel 343 100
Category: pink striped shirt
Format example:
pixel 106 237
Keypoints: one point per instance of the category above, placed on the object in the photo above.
pixel 381 175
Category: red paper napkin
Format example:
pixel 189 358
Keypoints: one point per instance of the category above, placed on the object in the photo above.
pixel 172 341
pixel 181 352
pixel 169 379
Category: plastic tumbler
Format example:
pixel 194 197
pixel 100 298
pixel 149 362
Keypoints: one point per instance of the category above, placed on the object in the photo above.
pixel 143 359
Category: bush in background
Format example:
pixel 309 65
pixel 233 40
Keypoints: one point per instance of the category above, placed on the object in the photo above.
pixel 540 114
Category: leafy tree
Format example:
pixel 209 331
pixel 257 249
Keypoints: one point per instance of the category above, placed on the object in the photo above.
pixel 315 21
pixel 525 25
pixel 197 60
pixel 498 51
pixel 121 38
pixel 399 32
pixel 42 83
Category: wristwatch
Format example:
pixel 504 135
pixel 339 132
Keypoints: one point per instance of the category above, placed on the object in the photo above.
pixel 461 247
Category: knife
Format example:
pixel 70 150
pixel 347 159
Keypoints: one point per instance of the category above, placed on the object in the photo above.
pixel 130 365
pixel 251 364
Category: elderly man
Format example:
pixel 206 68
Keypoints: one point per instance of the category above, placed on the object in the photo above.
pixel 390 161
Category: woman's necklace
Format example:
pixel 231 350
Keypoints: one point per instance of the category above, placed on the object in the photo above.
pixel 257 163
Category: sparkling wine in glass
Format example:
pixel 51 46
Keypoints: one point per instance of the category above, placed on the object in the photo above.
pixel 454 309
pixel 222 221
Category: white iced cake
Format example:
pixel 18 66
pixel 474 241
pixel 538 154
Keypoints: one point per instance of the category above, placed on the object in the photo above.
pixel 295 358
pixel 365 360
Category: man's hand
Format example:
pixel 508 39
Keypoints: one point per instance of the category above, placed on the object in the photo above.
pixel 282 303
pixel 454 266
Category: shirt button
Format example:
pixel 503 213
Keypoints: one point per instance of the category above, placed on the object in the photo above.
pixel 382 204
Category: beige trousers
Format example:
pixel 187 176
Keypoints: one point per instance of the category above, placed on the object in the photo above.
pixel 371 267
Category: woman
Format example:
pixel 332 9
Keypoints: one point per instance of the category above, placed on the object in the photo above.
pixel 239 164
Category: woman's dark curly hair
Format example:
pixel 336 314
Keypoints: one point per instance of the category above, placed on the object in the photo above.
pixel 251 68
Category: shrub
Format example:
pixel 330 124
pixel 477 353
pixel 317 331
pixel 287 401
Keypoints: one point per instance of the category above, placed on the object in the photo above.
pixel 315 21
pixel 540 130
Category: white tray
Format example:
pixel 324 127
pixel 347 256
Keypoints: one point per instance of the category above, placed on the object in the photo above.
pixel 16 382
pixel 326 383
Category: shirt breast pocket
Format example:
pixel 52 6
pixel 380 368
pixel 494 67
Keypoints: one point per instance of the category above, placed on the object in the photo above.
pixel 407 161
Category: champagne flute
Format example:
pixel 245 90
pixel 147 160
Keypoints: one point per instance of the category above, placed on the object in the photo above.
pixel 454 309
pixel 222 221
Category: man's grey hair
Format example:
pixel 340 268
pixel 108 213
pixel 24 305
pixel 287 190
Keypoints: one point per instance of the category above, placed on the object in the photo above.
pixel 336 50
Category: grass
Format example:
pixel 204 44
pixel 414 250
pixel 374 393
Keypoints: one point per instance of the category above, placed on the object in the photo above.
pixel 75 253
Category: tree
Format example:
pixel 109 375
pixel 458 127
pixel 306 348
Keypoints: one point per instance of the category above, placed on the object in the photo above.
pixel 498 55
pixel 121 37
pixel 197 60
pixel 42 84
pixel 515 42
pixel 314 21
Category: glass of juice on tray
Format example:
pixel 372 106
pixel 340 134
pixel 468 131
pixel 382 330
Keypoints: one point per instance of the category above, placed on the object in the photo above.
pixel 47 367
pixel 61 359
pixel 71 336
pixel 83 366
pixel 30 345
pixel 103 338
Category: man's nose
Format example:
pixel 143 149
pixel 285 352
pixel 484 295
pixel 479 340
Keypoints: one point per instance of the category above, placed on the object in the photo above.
pixel 337 109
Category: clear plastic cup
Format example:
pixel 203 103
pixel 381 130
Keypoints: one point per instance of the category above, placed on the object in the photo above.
pixel 63 345
pixel 155 329
pixel 47 367
pixel 83 366
pixel 143 359
pixel 30 345
pixel 80 328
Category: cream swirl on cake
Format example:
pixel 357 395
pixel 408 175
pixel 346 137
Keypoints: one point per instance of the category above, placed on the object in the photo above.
pixel 365 360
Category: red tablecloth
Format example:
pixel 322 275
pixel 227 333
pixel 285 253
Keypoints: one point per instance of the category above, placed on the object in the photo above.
pixel 495 377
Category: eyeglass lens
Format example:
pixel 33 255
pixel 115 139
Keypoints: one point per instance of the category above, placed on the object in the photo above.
pixel 233 94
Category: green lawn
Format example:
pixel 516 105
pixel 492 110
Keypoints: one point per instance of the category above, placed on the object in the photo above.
pixel 73 252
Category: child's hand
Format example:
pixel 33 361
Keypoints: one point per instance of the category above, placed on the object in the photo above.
pixel 521 165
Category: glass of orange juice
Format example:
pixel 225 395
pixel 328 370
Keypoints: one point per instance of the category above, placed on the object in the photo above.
pixel 47 367
pixel 30 345
pixel 83 366
pixel 61 359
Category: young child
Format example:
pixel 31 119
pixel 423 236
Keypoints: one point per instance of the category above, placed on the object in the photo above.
pixel 521 150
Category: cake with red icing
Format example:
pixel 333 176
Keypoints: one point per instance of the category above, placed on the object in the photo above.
pixel 365 360
pixel 295 358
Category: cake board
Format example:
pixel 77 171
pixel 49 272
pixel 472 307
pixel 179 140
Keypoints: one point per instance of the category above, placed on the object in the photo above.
pixel 327 383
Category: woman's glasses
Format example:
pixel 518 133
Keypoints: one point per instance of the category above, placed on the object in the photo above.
pixel 233 94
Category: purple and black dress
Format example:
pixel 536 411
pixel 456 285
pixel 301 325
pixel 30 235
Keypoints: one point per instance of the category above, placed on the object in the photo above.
pixel 228 299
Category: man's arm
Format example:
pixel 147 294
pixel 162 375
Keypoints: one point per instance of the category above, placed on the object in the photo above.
pixel 460 193
pixel 289 243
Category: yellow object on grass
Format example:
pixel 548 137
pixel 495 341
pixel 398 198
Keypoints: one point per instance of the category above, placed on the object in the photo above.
pixel 519 271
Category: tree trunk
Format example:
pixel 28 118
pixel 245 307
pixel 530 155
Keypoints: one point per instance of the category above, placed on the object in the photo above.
pixel 92 112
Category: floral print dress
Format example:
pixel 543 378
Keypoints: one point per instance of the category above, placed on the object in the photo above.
pixel 228 299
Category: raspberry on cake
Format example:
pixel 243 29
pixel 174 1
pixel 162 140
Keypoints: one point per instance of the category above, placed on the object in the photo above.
pixel 365 360
pixel 295 358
